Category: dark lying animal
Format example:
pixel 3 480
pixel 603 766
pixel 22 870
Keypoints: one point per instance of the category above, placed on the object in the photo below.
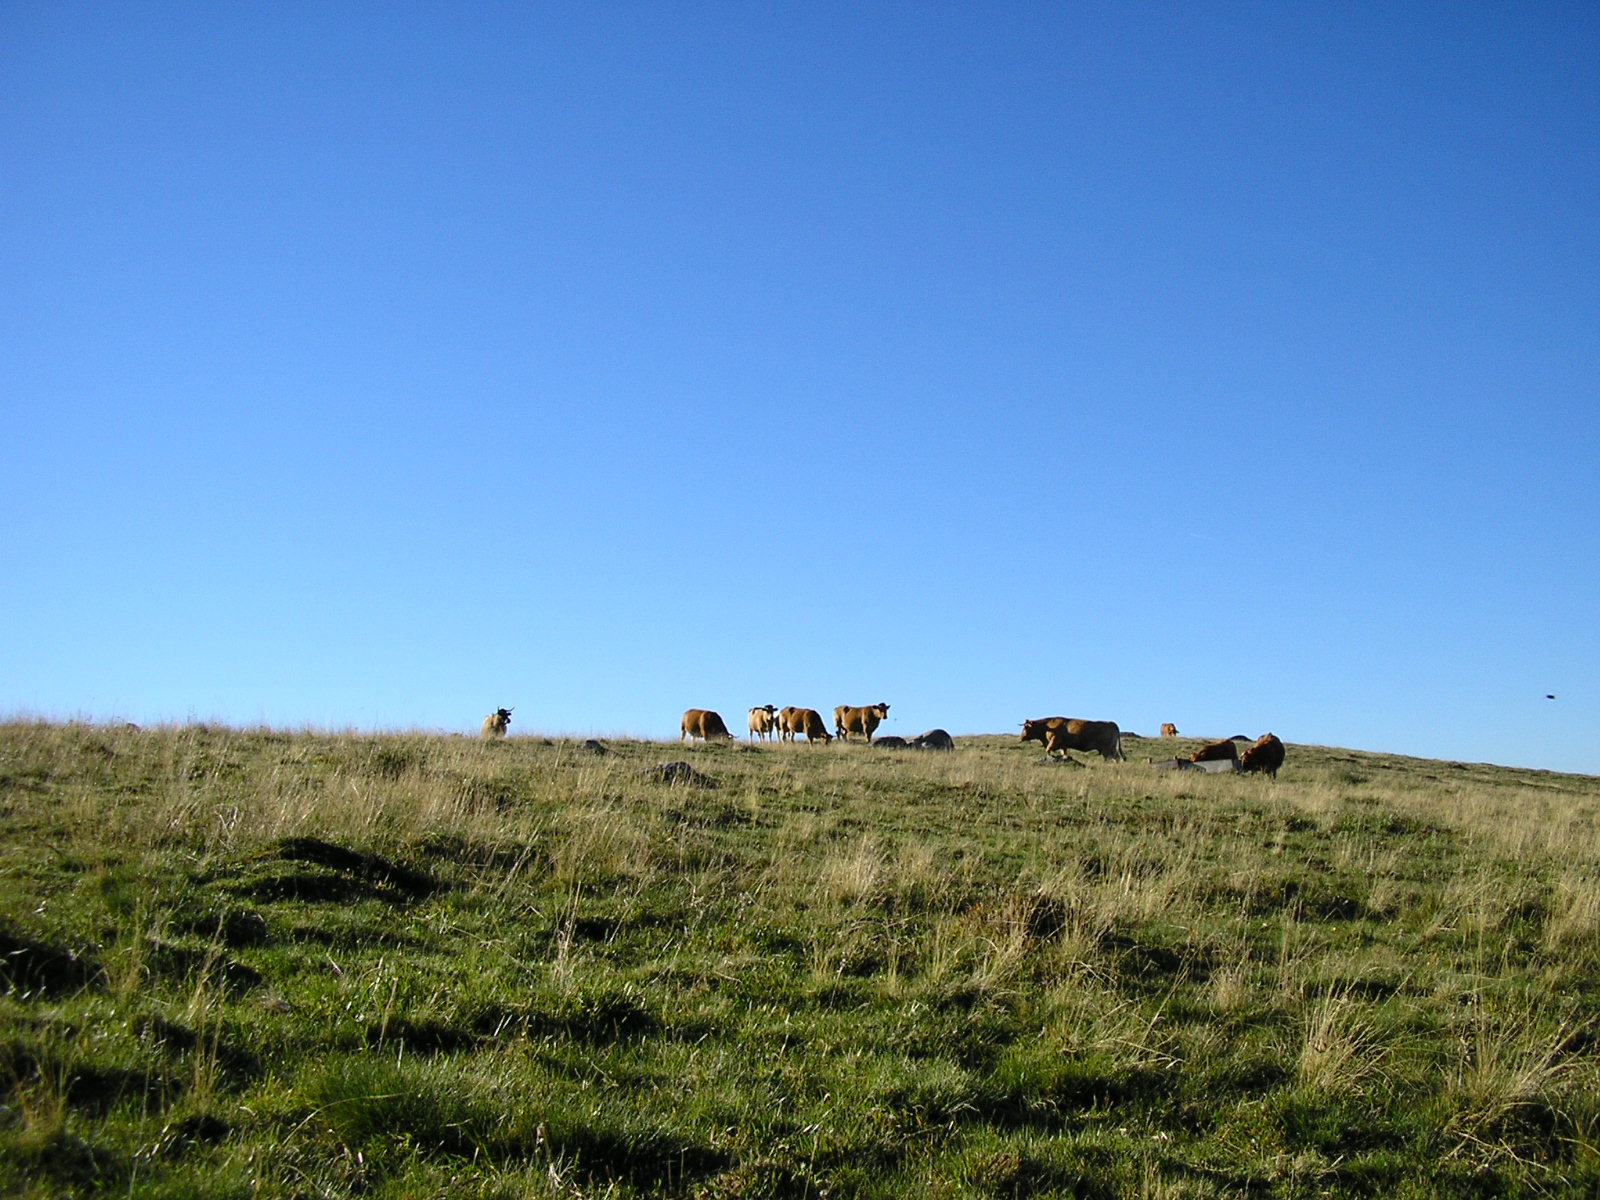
pixel 1264 754
pixel 679 772
pixel 1060 734
pixel 892 743
pixel 934 739
pixel 1216 751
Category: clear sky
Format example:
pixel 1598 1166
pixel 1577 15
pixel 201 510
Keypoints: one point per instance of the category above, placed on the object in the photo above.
pixel 1232 364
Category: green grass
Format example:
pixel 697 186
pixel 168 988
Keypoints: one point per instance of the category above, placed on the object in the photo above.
pixel 265 964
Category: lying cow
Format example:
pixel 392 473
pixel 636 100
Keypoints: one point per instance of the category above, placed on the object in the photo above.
pixel 891 743
pixel 1060 734
pixel 496 723
pixel 848 719
pixel 763 722
pixel 792 721
pixel 704 724
pixel 934 739
pixel 1264 754
pixel 1216 752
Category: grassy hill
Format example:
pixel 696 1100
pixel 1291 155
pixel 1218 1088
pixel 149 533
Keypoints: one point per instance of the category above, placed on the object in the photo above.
pixel 268 964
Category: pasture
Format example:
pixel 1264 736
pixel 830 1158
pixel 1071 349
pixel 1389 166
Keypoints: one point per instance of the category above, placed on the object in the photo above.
pixel 259 963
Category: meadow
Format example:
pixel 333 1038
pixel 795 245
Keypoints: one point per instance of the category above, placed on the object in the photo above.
pixel 273 964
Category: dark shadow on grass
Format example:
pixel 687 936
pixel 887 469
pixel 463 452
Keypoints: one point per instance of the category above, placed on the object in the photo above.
pixel 346 876
pixel 27 966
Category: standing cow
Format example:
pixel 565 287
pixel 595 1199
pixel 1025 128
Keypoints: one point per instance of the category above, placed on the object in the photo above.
pixel 792 721
pixel 704 724
pixel 1168 729
pixel 763 722
pixel 1060 734
pixel 848 719
pixel 1264 754
pixel 496 723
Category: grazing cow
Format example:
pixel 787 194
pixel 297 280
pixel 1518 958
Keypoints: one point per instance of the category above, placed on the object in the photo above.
pixel 808 721
pixel 496 723
pixel 1216 752
pixel 891 743
pixel 763 722
pixel 934 739
pixel 702 723
pixel 1264 754
pixel 848 719
pixel 1169 730
pixel 1060 734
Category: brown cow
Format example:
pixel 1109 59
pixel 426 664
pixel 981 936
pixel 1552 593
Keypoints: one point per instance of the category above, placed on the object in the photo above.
pixel 1216 752
pixel 702 723
pixel 496 723
pixel 808 721
pixel 1264 754
pixel 848 719
pixel 763 722
pixel 1169 730
pixel 1060 734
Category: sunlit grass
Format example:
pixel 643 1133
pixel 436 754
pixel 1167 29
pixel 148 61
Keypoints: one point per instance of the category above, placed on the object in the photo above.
pixel 251 962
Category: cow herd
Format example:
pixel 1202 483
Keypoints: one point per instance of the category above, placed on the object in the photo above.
pixel 788 723
pixel 1056 734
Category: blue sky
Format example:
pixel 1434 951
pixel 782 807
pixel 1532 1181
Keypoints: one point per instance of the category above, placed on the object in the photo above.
pixel 1230 364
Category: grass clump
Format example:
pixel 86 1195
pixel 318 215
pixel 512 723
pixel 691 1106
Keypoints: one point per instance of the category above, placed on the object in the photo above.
pixel 249 962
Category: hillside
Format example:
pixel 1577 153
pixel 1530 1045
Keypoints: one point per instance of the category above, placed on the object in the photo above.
pixel 272 964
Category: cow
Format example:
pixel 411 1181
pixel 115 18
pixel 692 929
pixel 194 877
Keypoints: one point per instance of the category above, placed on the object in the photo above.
pixel 1216 752
pixel 934 739
pixel 792 721
pixel 763 722
pixel 1168 729
pixel 891 743
pixel 1060 734
pixel 848 719
pixel 703 723
pixel 1264 754
pixel 496 723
